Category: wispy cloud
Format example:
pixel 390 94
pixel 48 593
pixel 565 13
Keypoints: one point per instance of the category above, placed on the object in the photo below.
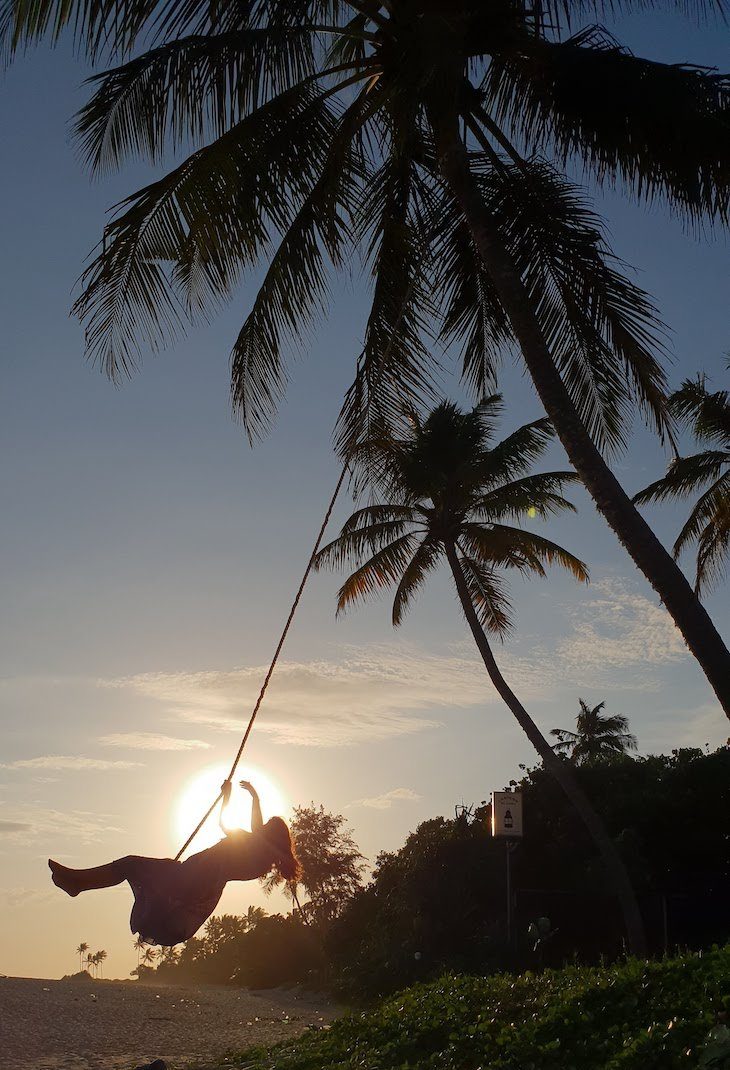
pixel 152 741
pixel 373 694
pixel 62 761
pixel 380 692
pixel 9 828
pixel 23 897
pixel 386 800
pixel 618 628
pixel 29 823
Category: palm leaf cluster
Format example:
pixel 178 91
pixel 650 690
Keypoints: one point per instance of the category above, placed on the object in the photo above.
pixel 707 413
pixel 597 735
pixel 446 484
pixel 313 129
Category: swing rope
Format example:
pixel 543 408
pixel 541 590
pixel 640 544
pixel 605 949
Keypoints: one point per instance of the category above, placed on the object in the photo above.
pixel 274 660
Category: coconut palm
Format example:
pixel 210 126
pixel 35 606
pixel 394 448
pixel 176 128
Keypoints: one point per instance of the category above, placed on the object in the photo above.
pixel 100 958
pixel 138 946
pixel 432 135
pixel 708 414
pixel 81 951
pixel 90 963
pixel 149 956
pixel 597 735
pixel 446 492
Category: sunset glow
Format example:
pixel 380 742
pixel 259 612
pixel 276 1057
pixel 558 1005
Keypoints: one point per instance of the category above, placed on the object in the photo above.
pixel 200 791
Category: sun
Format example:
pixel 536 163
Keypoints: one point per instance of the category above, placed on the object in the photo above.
pixel 199 792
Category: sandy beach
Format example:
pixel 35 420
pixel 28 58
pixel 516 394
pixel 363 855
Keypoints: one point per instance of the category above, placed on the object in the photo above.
pixel 116 1025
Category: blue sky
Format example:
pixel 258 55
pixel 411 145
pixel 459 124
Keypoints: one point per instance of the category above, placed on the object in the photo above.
pixel 149 557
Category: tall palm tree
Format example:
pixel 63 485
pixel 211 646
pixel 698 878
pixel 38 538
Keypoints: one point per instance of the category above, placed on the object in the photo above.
pixel 708 414
pixel 90 963
pixel 100 957
pixel 597 735
pixel 447 492
pixel 432 135
pixel 81 951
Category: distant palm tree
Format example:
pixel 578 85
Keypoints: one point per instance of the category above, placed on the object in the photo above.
pixel 708 414
pixel 90 963
pixel 100 957
pixel 81 951
pixel 150 956
pixel 596 736
pixel 138 945
pixel 253 916
pixel 447 493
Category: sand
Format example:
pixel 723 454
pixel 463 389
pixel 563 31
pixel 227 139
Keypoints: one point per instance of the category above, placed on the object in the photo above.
pixel 116 1025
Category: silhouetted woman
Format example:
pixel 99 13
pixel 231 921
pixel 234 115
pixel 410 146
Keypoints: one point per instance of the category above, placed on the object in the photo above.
pixel 173 899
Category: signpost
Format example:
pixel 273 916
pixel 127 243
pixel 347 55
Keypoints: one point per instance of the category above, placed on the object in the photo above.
pixel 507 825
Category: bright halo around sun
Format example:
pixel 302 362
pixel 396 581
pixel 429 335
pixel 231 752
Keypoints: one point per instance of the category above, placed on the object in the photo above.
pixel 200 791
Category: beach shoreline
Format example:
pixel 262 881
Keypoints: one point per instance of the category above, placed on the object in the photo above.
pixel 116 1025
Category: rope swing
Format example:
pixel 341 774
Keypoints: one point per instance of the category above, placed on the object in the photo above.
pixel 274 660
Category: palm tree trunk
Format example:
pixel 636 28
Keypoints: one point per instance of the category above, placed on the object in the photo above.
pixel 561 770
pixel 611 500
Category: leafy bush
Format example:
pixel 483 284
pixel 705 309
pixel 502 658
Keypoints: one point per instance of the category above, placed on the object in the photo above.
pixel 631 1016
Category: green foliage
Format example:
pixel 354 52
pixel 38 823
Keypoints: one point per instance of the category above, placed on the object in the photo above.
pixel 331 864
pixel 630 1016
pixel 597 735
pixel 442 894
pixel 254 950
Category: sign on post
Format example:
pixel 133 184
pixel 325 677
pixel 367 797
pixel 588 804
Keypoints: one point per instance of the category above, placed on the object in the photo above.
pixel 507 814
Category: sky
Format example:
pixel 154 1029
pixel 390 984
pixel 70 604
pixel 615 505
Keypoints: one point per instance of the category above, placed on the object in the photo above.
pixel 148 558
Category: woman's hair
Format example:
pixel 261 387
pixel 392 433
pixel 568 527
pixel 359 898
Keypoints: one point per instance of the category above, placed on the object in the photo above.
pixel 278 838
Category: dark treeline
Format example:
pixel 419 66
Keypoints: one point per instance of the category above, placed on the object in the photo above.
pixel 439 903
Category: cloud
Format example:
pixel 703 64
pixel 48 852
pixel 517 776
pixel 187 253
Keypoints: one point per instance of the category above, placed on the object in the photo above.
pixel 61 761
pixel 34 822
pixel 152 741
pixel 23 897
pixel 619 629
pixel 8 828
pixel 372 694
pixel 386 800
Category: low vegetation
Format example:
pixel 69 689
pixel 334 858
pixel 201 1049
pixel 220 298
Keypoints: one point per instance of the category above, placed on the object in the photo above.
pixel 630 1016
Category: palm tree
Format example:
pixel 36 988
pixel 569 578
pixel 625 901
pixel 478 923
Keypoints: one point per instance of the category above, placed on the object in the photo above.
pixel 138 946
pixel 708 525
pixel 446 492
pixel 100 956
pixel 432 135
pixel 149 956
pixel 597 735
pixel 81 951
pixel 90 963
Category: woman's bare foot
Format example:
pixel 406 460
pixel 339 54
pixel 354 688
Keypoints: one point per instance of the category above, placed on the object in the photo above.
pixel 63 877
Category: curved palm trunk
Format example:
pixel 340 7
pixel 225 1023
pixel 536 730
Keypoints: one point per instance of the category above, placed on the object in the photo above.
pixel 562 771
pixel 645 549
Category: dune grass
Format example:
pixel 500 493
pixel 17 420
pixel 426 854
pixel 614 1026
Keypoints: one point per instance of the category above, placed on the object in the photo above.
pixel 630 1016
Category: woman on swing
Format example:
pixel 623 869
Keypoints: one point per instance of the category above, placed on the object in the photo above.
pixel 172 899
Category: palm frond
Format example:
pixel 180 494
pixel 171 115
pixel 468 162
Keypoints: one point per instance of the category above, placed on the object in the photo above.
pixel 395 366
pixel 536 495
pixel 662 129
pixel 713 550
pixel 603 330
pixel 382 570
pixel 708 413
pixel 187 91
pixel 488 595
pixel 515 454
pixel 211 216
pixel 354 544
pixel 711 510
pixel 685 475
pixel 503 546
pixel 424 559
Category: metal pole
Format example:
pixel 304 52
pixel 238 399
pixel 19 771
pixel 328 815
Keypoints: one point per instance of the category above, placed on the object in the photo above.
pixel 509 892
